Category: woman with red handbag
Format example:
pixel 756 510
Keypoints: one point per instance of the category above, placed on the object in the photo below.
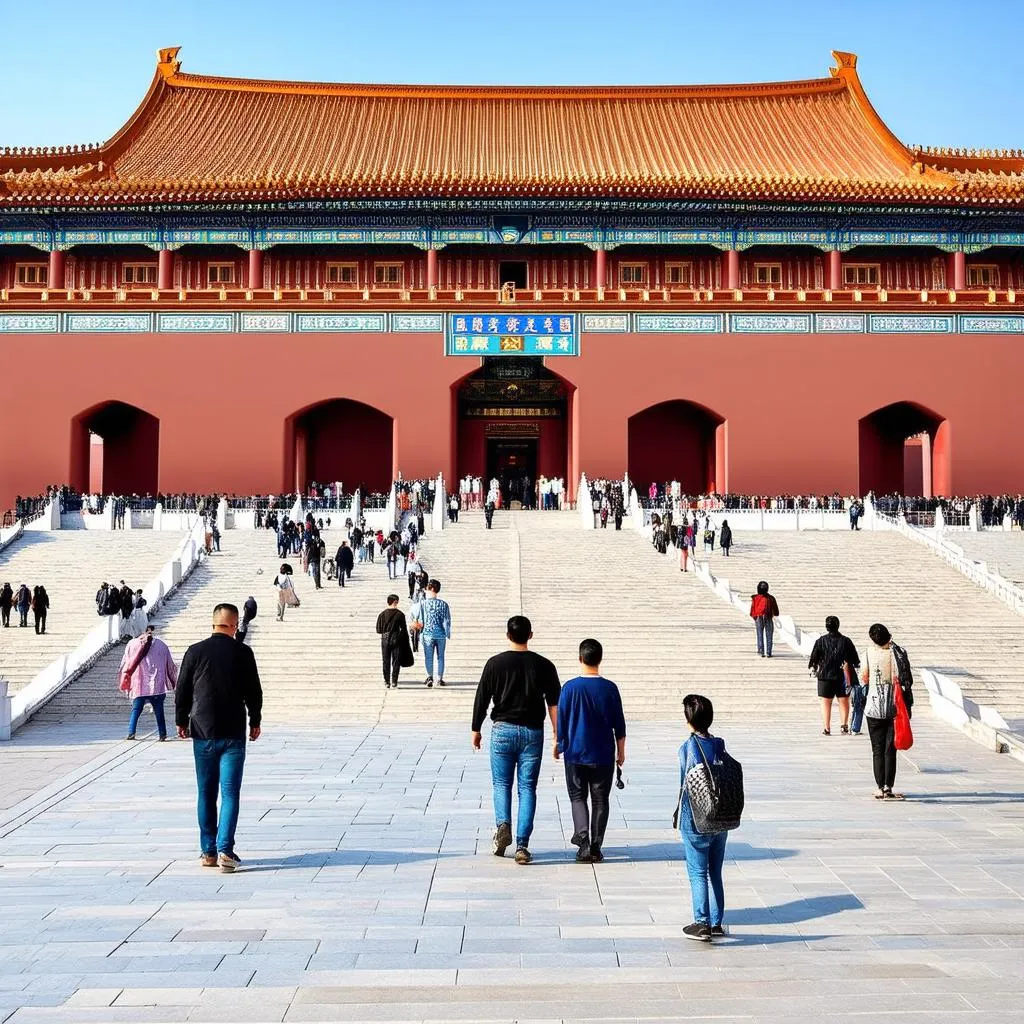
pixel 887 709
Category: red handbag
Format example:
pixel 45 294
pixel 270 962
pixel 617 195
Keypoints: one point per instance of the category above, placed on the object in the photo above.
pixel 903 735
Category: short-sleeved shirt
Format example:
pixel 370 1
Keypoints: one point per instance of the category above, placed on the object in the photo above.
pixel 522 686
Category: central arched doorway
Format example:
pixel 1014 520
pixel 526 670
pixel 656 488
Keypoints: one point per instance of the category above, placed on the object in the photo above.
pixel 340 441
pixel 513 420
pixel 904 449
pixel 115 449
pixel 678 440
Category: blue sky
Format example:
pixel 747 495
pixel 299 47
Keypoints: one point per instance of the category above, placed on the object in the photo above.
pixel 938 73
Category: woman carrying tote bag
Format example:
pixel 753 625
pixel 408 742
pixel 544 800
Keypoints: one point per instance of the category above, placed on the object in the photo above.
pixel 881 674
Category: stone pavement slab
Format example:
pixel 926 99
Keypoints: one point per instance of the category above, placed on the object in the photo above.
pixel 369 893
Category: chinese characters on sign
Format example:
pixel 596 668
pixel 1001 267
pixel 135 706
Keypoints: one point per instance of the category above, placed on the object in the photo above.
pixel 512 334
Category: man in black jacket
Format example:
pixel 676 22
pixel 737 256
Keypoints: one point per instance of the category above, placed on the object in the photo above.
pixel 343 562
pixel 830 656
pixel 394 637
pixel 218 682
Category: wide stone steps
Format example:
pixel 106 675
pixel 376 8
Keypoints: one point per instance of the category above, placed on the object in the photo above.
pixel 664 633
pixel 945 621
pixel 1002 552
pixel 71 566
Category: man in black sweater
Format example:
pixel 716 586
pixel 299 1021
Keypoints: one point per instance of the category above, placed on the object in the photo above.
pixel 394 633
pixel 343 561
pixel 523 687
pixel 217 684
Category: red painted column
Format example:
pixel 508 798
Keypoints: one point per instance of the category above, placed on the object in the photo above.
pixel 165 270
pixel 255 280
pixel 600 268
pixel 431 269
pixel 834 278
pixel 731 269
pixel 942 468
pixel 55 275
pixel 956 271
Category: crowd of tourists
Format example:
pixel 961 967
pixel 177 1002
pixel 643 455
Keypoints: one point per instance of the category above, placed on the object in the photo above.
pixel 23 600
pixel 127 603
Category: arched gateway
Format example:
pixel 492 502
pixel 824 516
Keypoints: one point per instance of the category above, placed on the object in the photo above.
pixel 339 441
pixel 513 421
pixel 905 448
pixel 678 440
pixel 115 448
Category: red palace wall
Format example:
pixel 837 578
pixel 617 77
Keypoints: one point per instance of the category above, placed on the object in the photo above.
pixel 792 404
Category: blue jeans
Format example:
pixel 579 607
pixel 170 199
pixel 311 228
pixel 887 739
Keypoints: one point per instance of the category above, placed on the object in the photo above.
pixel 516 750
pixel 218 765
pixel 138 703
pixel 765 627
pixel 705 856
pixel 859 699
pixel 430 645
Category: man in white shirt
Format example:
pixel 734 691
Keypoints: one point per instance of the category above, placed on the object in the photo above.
pixel 556 492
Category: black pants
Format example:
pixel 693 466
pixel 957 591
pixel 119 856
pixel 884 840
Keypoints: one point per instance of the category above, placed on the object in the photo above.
pixel 883 751
pixel 412 584
pixel 593 781
pixel 390 658
pixel 40 620
pixel 5 615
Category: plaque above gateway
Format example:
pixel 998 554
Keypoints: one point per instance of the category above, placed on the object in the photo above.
pixel 512 334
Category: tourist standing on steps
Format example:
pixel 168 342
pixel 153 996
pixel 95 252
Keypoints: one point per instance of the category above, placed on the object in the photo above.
pixel 146 675
pixel 343 562
pixel 249 610
pixel 523 687
pixel 885 665
pixel 23 602
pixel 6 604
pixel 314 554
pixel 592 739
pixel 286 596
pixel 705 854
pixel 832 657
pixel 394 641
pixel 435 619
pixel 413 568
pixel 489 512
pixel 725 538
pixel 40 606
pixel 763 610
pixel 218 683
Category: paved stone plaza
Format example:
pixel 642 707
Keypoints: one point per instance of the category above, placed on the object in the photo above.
pixel 370 894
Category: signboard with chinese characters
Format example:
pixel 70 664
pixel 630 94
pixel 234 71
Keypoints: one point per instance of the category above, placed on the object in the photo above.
pixel 511 334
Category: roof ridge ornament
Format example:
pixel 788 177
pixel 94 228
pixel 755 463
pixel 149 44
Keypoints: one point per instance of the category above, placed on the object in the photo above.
pixel 167 61
pixel 846 64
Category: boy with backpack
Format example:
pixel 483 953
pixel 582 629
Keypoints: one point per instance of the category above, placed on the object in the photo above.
pixel 710 804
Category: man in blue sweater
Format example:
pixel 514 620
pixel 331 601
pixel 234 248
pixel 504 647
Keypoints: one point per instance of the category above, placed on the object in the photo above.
pixel 592 739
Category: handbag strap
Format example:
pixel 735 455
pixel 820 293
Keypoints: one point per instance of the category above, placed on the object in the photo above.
pixel 707 767
pixel 143 651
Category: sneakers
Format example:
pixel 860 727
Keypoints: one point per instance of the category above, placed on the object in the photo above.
pixel 718 931
pixel 697 932
pixel 502 839
pixel 440 682
pixel 523 855
pixel 130 736
pixel 228 863
pixel 428 682
pixel 208 860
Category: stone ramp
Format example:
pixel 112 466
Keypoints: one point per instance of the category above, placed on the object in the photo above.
pixel 1002 552
pixel 945 621
pixel 71 566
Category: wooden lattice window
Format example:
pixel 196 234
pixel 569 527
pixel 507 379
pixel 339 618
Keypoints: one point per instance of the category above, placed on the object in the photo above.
pixel 31 275
pixel 856 275
pixel 220 273
pixel 344 274
pixel 388 274
pixel 679 275
pixel 138 274
pixel 632 273
pixel 768 274
pixel 983 275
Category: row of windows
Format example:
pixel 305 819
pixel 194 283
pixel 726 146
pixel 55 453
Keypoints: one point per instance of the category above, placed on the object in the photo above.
pixel 855 275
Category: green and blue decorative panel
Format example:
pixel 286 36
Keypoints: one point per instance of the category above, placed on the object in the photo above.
pixel 512 334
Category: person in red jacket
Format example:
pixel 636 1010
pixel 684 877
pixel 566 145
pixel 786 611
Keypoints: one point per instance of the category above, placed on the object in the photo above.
pixel 763 610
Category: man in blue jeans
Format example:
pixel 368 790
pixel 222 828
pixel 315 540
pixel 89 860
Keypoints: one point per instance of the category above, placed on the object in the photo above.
pixel 522 686
pixel 217 684
pixel 435 620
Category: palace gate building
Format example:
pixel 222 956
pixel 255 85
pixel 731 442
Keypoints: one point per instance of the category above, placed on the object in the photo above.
pixel 755 288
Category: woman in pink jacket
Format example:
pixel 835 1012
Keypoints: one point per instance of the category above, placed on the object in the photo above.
pixel 147 673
